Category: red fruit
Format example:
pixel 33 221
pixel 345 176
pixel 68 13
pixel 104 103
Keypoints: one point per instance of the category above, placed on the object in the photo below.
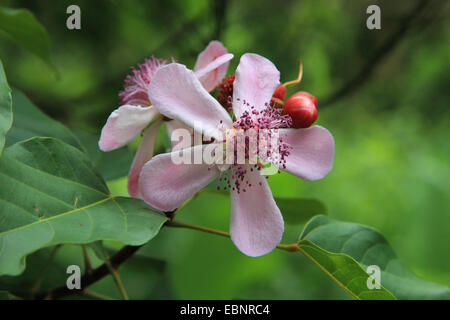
pixel 302 107
pixel 280 93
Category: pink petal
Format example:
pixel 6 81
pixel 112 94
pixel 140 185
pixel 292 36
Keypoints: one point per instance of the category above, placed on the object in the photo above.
pixel 143 154
pixel 173 125
pixel 214 56
pixel 255 82
pixel 166 185
pixel 177 93
pixel 313 152
pixel 207 74
pixel 124 124
pixel 256 224
pixel 179 143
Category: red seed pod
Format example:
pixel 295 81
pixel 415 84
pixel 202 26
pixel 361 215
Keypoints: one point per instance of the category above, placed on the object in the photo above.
pixel 302 107
pixel 280 93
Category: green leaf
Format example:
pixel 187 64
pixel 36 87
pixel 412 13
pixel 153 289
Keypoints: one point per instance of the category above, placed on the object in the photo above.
pixel 6 114
pixel 29 122
pixel 299 210
pixel 51 194
pixel 345 271
pixel 5 295
pixel 368 247
pixel 22 27
pixel 99 251
pixel 111 165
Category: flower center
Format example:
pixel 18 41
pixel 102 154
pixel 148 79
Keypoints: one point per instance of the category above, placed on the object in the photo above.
pixel 254 139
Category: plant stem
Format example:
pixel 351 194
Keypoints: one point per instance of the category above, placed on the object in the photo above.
pixel 124 254
pixel 179 224
pixel 87 279
pixel 188 201
pixel 87 260
pixel 118 281
pixel 292 247
pixel 93 294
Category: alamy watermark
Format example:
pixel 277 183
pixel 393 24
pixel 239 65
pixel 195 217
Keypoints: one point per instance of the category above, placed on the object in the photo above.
pixel 74 280
pixel 74 20
pixel 374 20
pixel 374 280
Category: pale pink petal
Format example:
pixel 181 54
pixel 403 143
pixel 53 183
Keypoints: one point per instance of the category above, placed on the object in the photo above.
pixel 177 93
pixel 213 50
pixel 166 185
pixel 255 82
pixel 214 56
pixel 178 144
pixel 211 75
pixel 124 124
pixel 313 152
pixel 143 154
pixel 256 224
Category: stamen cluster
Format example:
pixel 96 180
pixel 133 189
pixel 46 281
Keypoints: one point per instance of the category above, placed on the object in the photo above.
pixel 255 133
pixel 135 89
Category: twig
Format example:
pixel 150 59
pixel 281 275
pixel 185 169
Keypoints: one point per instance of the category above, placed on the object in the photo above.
pixel 93 294
pixel 87 279
pixel 125 253
pixel 87 260
pixel 118 281
pixel 292 247
pixel 387 47
pixel 179 224
pixel 220 12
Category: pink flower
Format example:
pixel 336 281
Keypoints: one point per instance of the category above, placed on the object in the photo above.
pixel 256 224
pixel 136 113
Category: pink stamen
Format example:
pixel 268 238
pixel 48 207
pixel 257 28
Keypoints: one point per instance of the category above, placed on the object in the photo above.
pixel 135 89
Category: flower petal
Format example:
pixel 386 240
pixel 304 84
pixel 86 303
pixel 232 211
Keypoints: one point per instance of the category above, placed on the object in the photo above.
pixel 166 185
pixel 177 93
pixel 255 82
pixel 313 152
pixel 208 76
pixel 143 154
pixel 214 56
pixel 179 144
pixel 124 124
pixel 256 224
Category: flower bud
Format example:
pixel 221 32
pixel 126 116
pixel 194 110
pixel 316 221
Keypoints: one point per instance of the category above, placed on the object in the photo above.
pixel 280 93
pixel 302 107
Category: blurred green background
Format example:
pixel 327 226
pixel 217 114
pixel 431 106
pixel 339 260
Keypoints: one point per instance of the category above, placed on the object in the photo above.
pixel 384 94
